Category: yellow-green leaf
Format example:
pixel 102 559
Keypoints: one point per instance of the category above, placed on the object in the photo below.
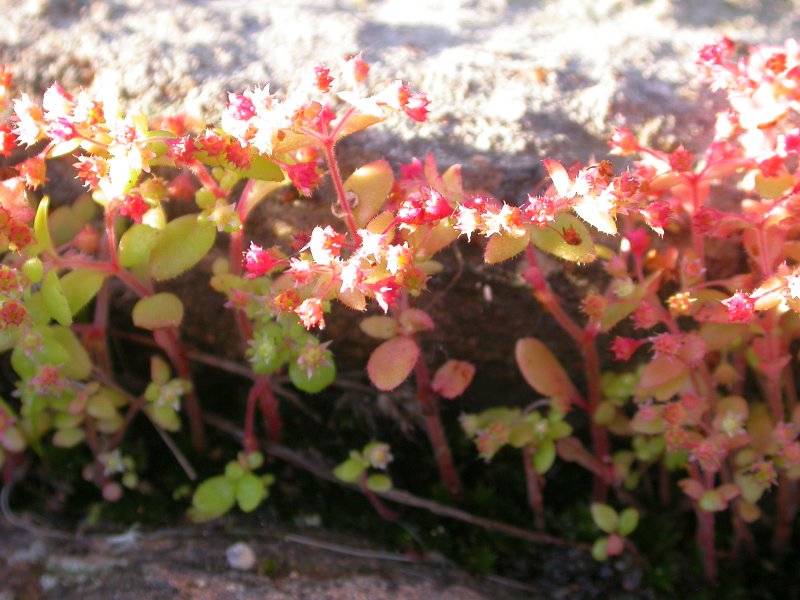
pixel 371 184
pixel 41 228
pixel 55 300
pixel 136 243
pixel 78 366
pixel 500 248
pixel 566 237
pixel 80 286
pixel 158 311
pixel 183 243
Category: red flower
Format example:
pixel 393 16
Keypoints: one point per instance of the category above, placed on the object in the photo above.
pixel 134 206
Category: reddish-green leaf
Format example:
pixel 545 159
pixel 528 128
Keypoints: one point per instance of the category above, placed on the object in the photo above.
pixel 542 370
pixel 662 378
pixel 391 362
pixel 452 378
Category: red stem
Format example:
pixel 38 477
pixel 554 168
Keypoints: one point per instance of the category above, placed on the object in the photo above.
pixel 338 185
pixel 436 435
pixel 269 407
pixel 535 498
pixel 385 513
pixel 584 339
pixel 168 341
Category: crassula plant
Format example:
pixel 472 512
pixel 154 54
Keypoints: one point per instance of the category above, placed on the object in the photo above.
pixel 688 369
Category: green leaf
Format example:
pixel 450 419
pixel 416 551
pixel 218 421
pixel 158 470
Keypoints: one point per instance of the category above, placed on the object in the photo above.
pixel 212 498
pixel 136 243
pixel 566 237
pixel 600 549
pixel 379 482
pixel 41 228
pixel 503 247
pixel 78 364
pixel 628 520
pixel 68 438
pixel 50 353
pixel 80 286
pixel 55 300
pixel 100 406
pixel 349 471
pixel 604 517
pixel 544 457
pixel 263 169
pixel 321 377
pixel 541 369
pixel 183 243
pixel 250 491
pixel 391 362
pixel 158 311
pixel 165 417
pixel 712 501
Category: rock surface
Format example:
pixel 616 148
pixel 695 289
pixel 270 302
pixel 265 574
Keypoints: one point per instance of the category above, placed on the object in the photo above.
pixel 515 79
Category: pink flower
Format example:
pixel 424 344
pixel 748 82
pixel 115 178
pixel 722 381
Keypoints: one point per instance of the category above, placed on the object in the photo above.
pixel 12 314
pixel 240 107
pixel 741 307
pixel 623 142
pixel 258 261
pixel 417 107
pixel 310 313
pixel 540 210
pixel 638 240
pixel 657 215
pixel 322 78
pixel 624 347
pixel 325 245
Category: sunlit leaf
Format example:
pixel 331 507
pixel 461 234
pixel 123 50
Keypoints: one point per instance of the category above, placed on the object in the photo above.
pixel 371 184
pixel 183 243
pixel 566 237
pixel 80 286
pixel 500 248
